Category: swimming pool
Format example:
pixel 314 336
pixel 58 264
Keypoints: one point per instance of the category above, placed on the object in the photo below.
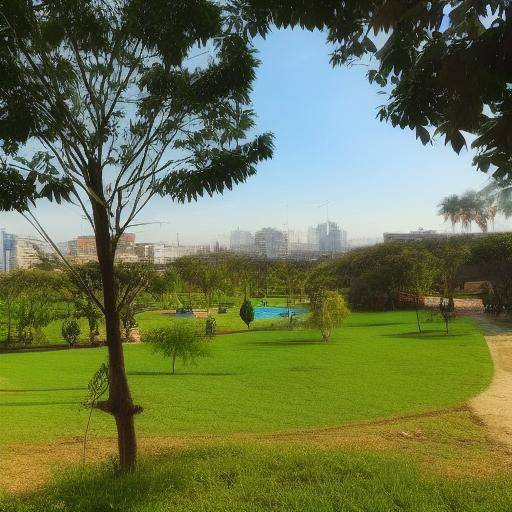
pixel 276 312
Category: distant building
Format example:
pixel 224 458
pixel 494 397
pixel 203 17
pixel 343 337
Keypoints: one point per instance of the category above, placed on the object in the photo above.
pixel 7 247
pixel 271 243
pixel 414 236
pixel 327 238
pixel 27 253
pixel 161 254
pixel 241 241
pixel 83 249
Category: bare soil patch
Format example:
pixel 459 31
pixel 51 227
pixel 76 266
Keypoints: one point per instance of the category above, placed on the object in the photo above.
pixel 462 449
pixel 494 405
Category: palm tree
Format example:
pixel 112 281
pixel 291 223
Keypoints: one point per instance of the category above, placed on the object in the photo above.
pixel 474 209
pixel 498 193
pixel 449 208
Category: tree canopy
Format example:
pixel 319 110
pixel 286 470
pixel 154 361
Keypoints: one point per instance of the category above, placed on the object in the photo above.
pixel 446 65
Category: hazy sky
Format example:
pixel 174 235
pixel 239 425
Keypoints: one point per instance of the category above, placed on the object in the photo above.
pixel 329 147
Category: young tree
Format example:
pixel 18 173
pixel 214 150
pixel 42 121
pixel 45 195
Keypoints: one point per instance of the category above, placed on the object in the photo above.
pixel 180 340
pixel 70 331
pixel 111 109
pixel 446 310
pixel 421 269
pixel 328 311
pixel 247 312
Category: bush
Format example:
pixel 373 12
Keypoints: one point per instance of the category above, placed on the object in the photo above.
pixel 70 331
pixel 247 312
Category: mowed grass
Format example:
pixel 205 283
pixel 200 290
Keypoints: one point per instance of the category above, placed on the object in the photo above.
pixel 262 478
pixel 377 366
pixel 226 322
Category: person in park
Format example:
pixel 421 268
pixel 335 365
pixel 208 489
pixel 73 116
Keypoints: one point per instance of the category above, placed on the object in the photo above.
pixel 100 107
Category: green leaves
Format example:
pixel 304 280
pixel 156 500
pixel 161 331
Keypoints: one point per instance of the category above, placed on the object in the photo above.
pixel 97 386
pixel 39 180
pixel 214 170
pixel 172 27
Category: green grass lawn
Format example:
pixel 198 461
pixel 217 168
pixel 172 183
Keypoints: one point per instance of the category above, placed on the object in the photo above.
pixel 229 321
pixel 376 366
pixel 261 479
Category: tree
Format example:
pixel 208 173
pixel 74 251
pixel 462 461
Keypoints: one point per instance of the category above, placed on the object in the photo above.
pixel 446 309
pixel 492 255
pixel 70 331
pixel 328 311
pixel 449 208
pixel 446 66
pixel 451 257
pixel 85 308
pixel 110 113
pixel 247 312
pixel 180 340
pixel 29 297
pixel 10 289
pixel 421 271
pixel 206 274
pixel 499 196
pixel 163 284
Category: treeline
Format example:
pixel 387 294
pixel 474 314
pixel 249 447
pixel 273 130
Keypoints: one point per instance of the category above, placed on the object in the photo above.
pixel 374 278
pixel 31 299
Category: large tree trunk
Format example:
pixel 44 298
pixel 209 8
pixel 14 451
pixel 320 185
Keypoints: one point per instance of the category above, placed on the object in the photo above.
pixel 119 403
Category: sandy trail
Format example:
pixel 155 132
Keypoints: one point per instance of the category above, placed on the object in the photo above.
pixel 494 405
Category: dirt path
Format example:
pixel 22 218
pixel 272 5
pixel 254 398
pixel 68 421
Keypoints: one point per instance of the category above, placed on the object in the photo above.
pixel 494 405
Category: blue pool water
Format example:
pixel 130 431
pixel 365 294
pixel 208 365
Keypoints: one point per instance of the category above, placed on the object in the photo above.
pixel 275 312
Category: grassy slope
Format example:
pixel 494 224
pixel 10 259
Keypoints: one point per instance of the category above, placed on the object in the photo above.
pixel 376 366
pixel 257 479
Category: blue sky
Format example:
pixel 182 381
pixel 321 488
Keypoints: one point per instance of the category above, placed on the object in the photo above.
pixel 329 147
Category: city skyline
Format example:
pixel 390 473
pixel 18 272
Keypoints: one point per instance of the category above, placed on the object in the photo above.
pixel 329 147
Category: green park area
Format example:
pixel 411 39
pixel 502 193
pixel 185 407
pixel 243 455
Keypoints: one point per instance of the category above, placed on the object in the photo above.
pixel 375 367
pixel 333 356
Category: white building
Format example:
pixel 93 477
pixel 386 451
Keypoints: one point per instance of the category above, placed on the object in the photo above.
pixel 241 241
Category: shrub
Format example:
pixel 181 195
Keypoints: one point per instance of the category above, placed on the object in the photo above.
pixel 70 331
pixel 247 313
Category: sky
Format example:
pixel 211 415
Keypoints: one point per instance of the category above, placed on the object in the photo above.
pixel 330 148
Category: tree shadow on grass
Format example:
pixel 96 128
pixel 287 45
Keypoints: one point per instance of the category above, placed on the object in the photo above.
pixel 373 324
pixel 169 374
pixel 425 335
pixel 30 390
pixel 286 343
pixel 27 404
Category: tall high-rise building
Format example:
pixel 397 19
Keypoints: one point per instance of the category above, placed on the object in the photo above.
pixel 19 252
pixel 271 243
pixel 327 238
pixel 241 241
pixel 26 254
